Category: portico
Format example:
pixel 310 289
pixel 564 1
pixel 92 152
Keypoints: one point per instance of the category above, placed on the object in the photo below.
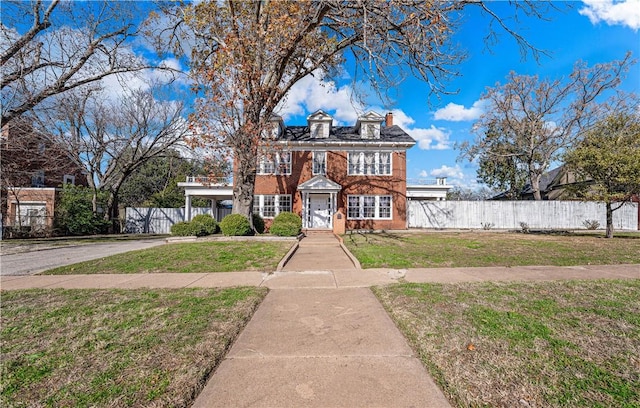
pixel 319 202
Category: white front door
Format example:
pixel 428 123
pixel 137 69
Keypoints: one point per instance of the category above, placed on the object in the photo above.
pixel 320 210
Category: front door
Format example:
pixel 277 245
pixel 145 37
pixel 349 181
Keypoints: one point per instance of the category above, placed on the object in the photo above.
pixel 320 210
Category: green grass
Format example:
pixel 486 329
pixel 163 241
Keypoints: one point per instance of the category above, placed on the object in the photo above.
pixel 198 257
pixel 116 348
pixel 469 249
pixel 552 344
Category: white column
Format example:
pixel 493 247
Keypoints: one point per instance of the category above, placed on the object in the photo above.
pixel 187 207
pixel 305 197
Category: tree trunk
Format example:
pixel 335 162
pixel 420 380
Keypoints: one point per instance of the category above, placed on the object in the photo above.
pixel 534 179
pixel 244 182
pixel 609 220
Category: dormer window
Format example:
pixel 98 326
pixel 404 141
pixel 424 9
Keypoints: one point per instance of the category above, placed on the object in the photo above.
pixel 275 129
pixel 369 125
pixel 319 125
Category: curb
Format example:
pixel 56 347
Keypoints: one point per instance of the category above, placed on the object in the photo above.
pixel 353 259
pixel 288 256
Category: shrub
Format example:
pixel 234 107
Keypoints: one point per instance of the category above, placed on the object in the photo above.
pixel 286 224
pixel 591 224
pixel 74 211
pixel 524 227
pixel 487 225
pixel 203 224
pixel 235 225
pixel 258 223
pixel 181 229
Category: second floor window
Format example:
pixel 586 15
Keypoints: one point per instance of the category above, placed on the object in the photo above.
pixel 369 163
pixel 275 163
pixel 319 163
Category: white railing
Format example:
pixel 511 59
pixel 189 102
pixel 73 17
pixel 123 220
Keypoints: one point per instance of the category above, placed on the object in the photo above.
pixel 438 181
pixel 209 180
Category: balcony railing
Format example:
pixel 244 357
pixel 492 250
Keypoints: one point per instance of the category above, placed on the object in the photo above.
pixel 438 181
pixel 210 180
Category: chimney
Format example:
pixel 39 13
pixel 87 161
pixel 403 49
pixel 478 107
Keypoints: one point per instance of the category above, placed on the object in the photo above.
pixel 388 119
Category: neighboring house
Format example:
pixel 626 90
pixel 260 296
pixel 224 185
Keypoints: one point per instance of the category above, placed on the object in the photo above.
pixel 353 175
pixel 553 186
pixel 33 170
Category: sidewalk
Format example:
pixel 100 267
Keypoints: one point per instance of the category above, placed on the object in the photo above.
pixel 320 338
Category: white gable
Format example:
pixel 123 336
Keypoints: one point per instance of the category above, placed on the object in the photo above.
pixel 276 128
pixel 319 124
pixel 369 125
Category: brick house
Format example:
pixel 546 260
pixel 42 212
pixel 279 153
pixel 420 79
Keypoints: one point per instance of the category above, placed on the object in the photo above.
pixel 334 177
pixel 319 170
pixel 33 170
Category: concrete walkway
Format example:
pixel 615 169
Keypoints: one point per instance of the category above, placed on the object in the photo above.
pixel 320 338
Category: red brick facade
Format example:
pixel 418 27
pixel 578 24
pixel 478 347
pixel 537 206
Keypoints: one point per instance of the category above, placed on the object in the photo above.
pixel 336 163
pixel 325 173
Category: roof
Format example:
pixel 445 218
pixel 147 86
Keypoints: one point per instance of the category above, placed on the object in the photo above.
pixel 349 134
pixel 546 181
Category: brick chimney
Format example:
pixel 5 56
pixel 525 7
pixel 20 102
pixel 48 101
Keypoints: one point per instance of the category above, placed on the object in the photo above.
pixel 388 119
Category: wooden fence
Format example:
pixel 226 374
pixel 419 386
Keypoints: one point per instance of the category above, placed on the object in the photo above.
pixel 143 220
pixel 510 214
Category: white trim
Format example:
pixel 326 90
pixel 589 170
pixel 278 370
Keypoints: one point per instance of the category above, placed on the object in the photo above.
pixel 258 204
pixel 362 163
pixel 277 161
pixel 361 207
pixel 313 163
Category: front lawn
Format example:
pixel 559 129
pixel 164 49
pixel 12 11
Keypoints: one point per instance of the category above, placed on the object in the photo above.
pixel 195 257
pixel 551 344
pixel 116 348
pixel 471 249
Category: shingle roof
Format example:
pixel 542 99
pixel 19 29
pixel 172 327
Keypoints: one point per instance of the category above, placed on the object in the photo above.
pixel 349 134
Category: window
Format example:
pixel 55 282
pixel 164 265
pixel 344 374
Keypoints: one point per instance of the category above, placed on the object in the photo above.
pixel 69 179
pixel 369 207
pixel 30 214
pixel 319 130
pixel 369 163
pixel 268 206
pixel 370 131
pixel 37 180
pixel 319 163
pixel 275 163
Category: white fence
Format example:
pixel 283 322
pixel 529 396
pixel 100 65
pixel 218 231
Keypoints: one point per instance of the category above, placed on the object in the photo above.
pixel 509 214
pixel 143 220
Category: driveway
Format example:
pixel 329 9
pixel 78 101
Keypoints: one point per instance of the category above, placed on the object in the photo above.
pixel 39 259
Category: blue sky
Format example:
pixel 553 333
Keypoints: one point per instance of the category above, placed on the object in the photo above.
pixel 593 31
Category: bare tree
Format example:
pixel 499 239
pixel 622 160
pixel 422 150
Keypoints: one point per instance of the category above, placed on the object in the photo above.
pixel 50 47
pixel 110 139
pixel 248 54
pixel 529 121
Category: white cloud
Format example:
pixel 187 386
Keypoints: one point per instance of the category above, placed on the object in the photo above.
pixel 431 138
pixel 613 12
pixel 458 113
pixel 310 94
pixel 449 172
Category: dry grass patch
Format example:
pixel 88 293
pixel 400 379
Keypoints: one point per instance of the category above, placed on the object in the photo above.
pixel 475 249
pixel 116 348
pixel 550 344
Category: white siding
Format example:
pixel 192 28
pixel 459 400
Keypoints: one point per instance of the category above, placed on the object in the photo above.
pixel 509 214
